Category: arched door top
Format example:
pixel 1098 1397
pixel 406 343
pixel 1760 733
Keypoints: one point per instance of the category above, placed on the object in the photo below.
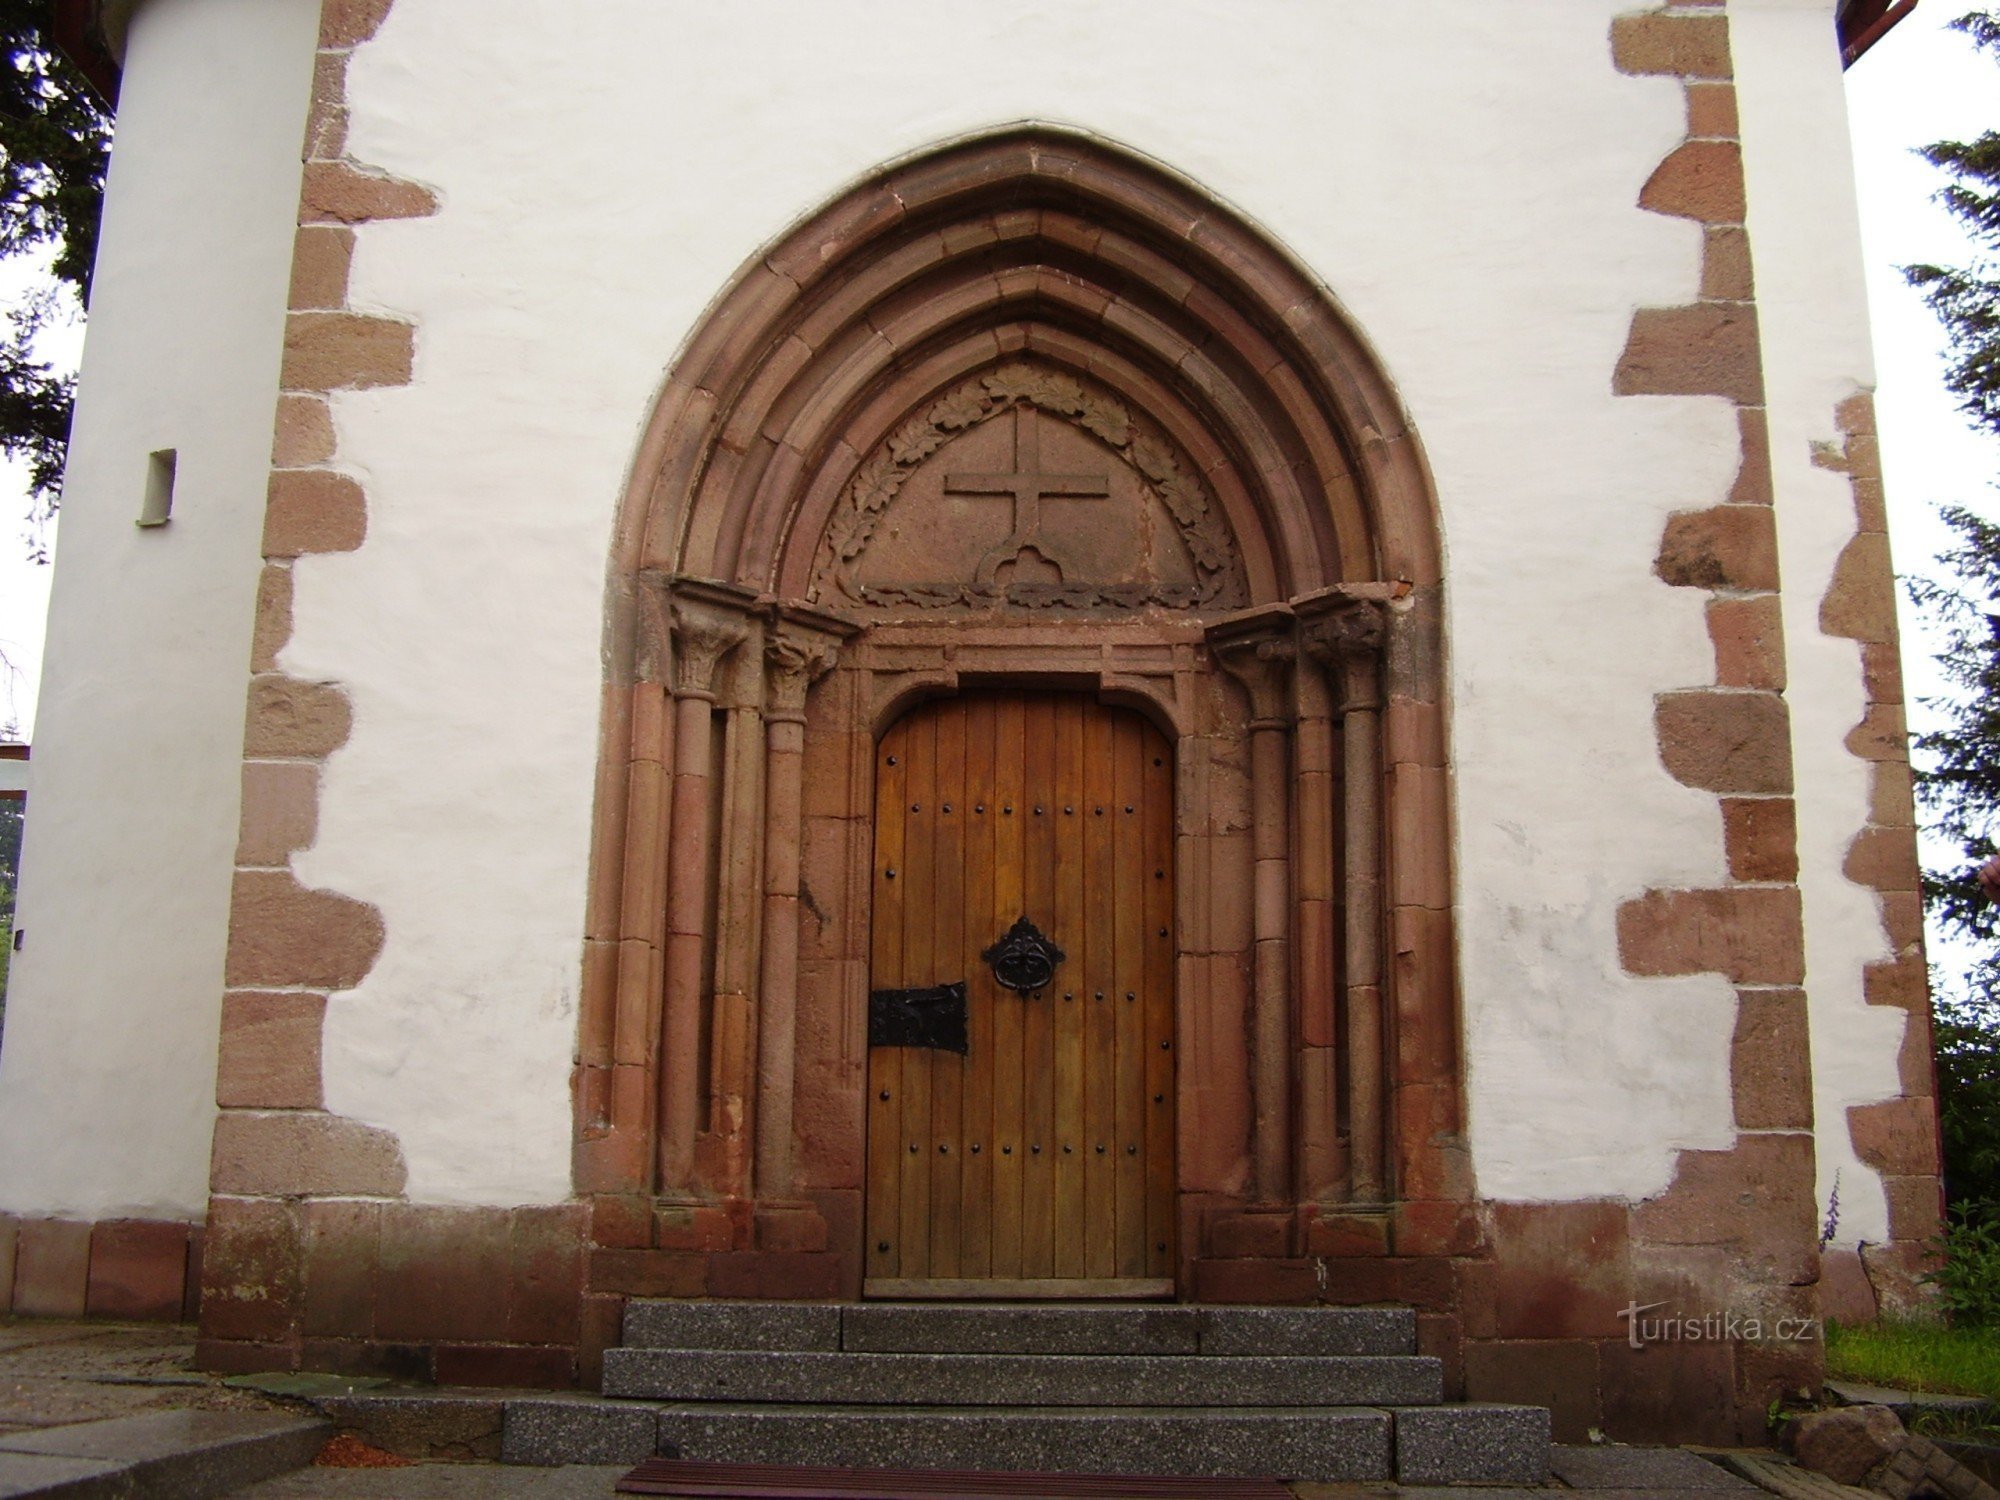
pixel 887 317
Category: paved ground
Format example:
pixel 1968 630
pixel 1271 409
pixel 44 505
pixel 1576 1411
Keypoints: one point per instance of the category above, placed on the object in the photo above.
pixel 53 1373
pixel 56 1373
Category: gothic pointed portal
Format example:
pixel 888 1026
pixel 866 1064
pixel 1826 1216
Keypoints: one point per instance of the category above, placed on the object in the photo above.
pixel 1027 420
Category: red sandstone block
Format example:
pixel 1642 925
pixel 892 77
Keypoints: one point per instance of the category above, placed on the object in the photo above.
pixel 1897 1136
pixel 1264 1281
pixel 1752 934
pixel 1366 1279
pixel 408 1362
pixel 532 1365
pixel 347 23
pixel 1761 836
pixel 270 1046
pixel 1902 982
pixel 10 1234
pixel 648 1273
pixel 251 1257
pixel 340 193
pixel 1753 484
pixel 603 1326
pixel 621 1221
pixel 679 1226
pixel 1882 734
pixel 1560 1374
pixel 313 510
pixel 282 933
pixel 545 1297
pixel 1345 1235
pixel 1441 1336
pixel 51 1268
pixel 1434 1228
pixel 1885 858
pixel 1669 1392
pixel 1705 349
pixel 332 351
pixel 1770 1061
pixel 1757 1201
pixel 1682 46
pixel 1701 179
pixel 444 1273
pixel 790 1229
pixel 1723 547
pixel 1726 741
pixel 1860 603
pixel 138 1269
pixel 794 1275
pixel 1562 1270
pixel 1916 1207
pixel 1250 1236
pixel 341 1256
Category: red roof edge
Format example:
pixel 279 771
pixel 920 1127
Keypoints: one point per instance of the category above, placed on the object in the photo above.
pixel 1863 23
pixel 78 33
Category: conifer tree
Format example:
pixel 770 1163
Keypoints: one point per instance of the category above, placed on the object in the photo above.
pixel 1958 775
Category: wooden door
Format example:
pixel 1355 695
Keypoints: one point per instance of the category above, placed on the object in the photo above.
pixel 1040 1161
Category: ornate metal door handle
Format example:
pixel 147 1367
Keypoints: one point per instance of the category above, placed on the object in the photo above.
pixel 1023 959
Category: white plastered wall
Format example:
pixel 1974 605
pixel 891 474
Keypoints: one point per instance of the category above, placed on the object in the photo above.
pixel 1812 311
pixel 107 1069
pixel 1462 175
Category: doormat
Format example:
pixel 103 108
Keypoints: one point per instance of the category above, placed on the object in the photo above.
pixel 677 1476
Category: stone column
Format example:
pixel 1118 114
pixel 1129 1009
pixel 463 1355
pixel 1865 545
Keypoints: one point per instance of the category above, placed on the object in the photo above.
pixel 633 1028
pixel 1323 1164
pixel 723 1160
pixel 1262 662
pixel 795 661
pixel 1347 639
pixel 704 632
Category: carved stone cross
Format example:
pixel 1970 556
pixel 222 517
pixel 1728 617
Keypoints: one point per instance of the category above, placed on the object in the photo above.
pixel 1029 487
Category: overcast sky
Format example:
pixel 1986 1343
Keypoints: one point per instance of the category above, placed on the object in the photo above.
pixel 1921 84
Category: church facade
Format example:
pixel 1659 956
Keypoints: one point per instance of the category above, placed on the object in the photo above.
pixel 1143 651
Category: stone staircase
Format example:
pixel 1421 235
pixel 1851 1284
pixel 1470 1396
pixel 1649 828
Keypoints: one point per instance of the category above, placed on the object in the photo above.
pixel 1327 1394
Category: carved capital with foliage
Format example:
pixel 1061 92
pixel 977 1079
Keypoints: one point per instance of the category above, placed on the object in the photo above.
pixel 1347 638
pixel 795 662
pixel 1259 654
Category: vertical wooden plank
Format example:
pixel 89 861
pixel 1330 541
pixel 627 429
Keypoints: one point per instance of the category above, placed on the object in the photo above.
pixel 1129 903
pixel 915 881
pixel 1100 1062
pixel 1070 1008
pixel 982 1150
pixel 944 817
pixel 1009 1071
pixel 885 968
pixel 1157 876
pixel 1037 1032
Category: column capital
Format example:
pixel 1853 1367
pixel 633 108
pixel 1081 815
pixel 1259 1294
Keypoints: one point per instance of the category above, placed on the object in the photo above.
pixel 1348 636
pixel 708 620
pixel 795 660
pixel 1257 649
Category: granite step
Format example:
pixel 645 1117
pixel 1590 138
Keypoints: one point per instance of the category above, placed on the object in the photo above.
pixel 1474 1444
pixel 1020 1328
pixel 972 1380
pixel 171 1455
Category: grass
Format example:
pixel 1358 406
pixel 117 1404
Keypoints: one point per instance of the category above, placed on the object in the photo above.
pixel 1926 1357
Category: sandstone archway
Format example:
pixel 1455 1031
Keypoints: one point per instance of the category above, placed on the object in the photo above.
pixel 1027 409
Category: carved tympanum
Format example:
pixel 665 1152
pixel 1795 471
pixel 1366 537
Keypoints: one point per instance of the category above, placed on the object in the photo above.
pixel 1025 486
